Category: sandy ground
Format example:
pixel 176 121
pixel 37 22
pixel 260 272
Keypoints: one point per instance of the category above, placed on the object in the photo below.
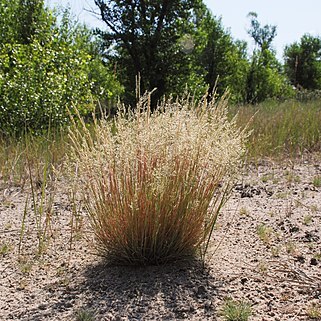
pixel 266 251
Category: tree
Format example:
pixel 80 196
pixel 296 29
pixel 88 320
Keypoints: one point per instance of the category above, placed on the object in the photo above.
pixel 263 36
pixel 143 37
pixel 224 61
pixel 24 20
pixel 30 19
pixel 302 61
pixel 265 78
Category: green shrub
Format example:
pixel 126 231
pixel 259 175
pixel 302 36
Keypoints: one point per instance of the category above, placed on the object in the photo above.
pixel 43 73
pixel 38 84
pixel 154 183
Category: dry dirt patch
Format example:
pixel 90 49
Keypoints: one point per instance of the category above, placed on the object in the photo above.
pixel 266 251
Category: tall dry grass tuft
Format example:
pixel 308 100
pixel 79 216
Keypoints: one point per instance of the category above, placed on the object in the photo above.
pixel 154 183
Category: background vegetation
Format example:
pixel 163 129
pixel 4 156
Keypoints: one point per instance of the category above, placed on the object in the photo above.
pixel 48 61
pixel 46 65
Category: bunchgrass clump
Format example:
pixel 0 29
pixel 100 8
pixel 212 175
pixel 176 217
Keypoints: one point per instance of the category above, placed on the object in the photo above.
pixel 236 311
pixel 85 315
pixel 313 311
pixel 154 182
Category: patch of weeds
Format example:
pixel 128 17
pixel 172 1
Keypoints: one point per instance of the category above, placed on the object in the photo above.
pixel 307 219
pixel 270 177
pixel 8 226
pixel 77 219
pixel 25 265
pixel 285 296
pixel 236 310
pixel 262 267
pixel 314 208
pixel 42 206
pixel 297 204
pixel 271 213
pixel 281 195
pixel 291 178
pixel 290 248
pixel 312 246
pixel 317 256
pixel 316 181
pixel 265 178
pixel 61 271
pixel 22 284
pixel 244 211
pixel 5 248
pixel 275 251
pixel 265 233
pixel 85 315
pixel 314 312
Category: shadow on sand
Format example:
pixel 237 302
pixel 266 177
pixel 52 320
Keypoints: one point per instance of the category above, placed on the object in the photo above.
pixel 184 290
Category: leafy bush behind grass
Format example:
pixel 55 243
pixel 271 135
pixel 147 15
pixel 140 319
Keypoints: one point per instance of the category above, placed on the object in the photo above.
pixel 154 184
pixel 44 72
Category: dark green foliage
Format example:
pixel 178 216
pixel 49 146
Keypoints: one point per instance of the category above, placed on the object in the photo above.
pixel 30 18
pixel 303 63
pixel 172 45
pixel 224 63
pixel 146 37
pixel 265 78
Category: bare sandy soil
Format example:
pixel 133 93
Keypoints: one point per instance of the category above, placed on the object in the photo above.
pixel 266 251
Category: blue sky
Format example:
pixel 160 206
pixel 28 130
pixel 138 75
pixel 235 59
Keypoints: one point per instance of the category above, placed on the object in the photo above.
pixel 292 17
